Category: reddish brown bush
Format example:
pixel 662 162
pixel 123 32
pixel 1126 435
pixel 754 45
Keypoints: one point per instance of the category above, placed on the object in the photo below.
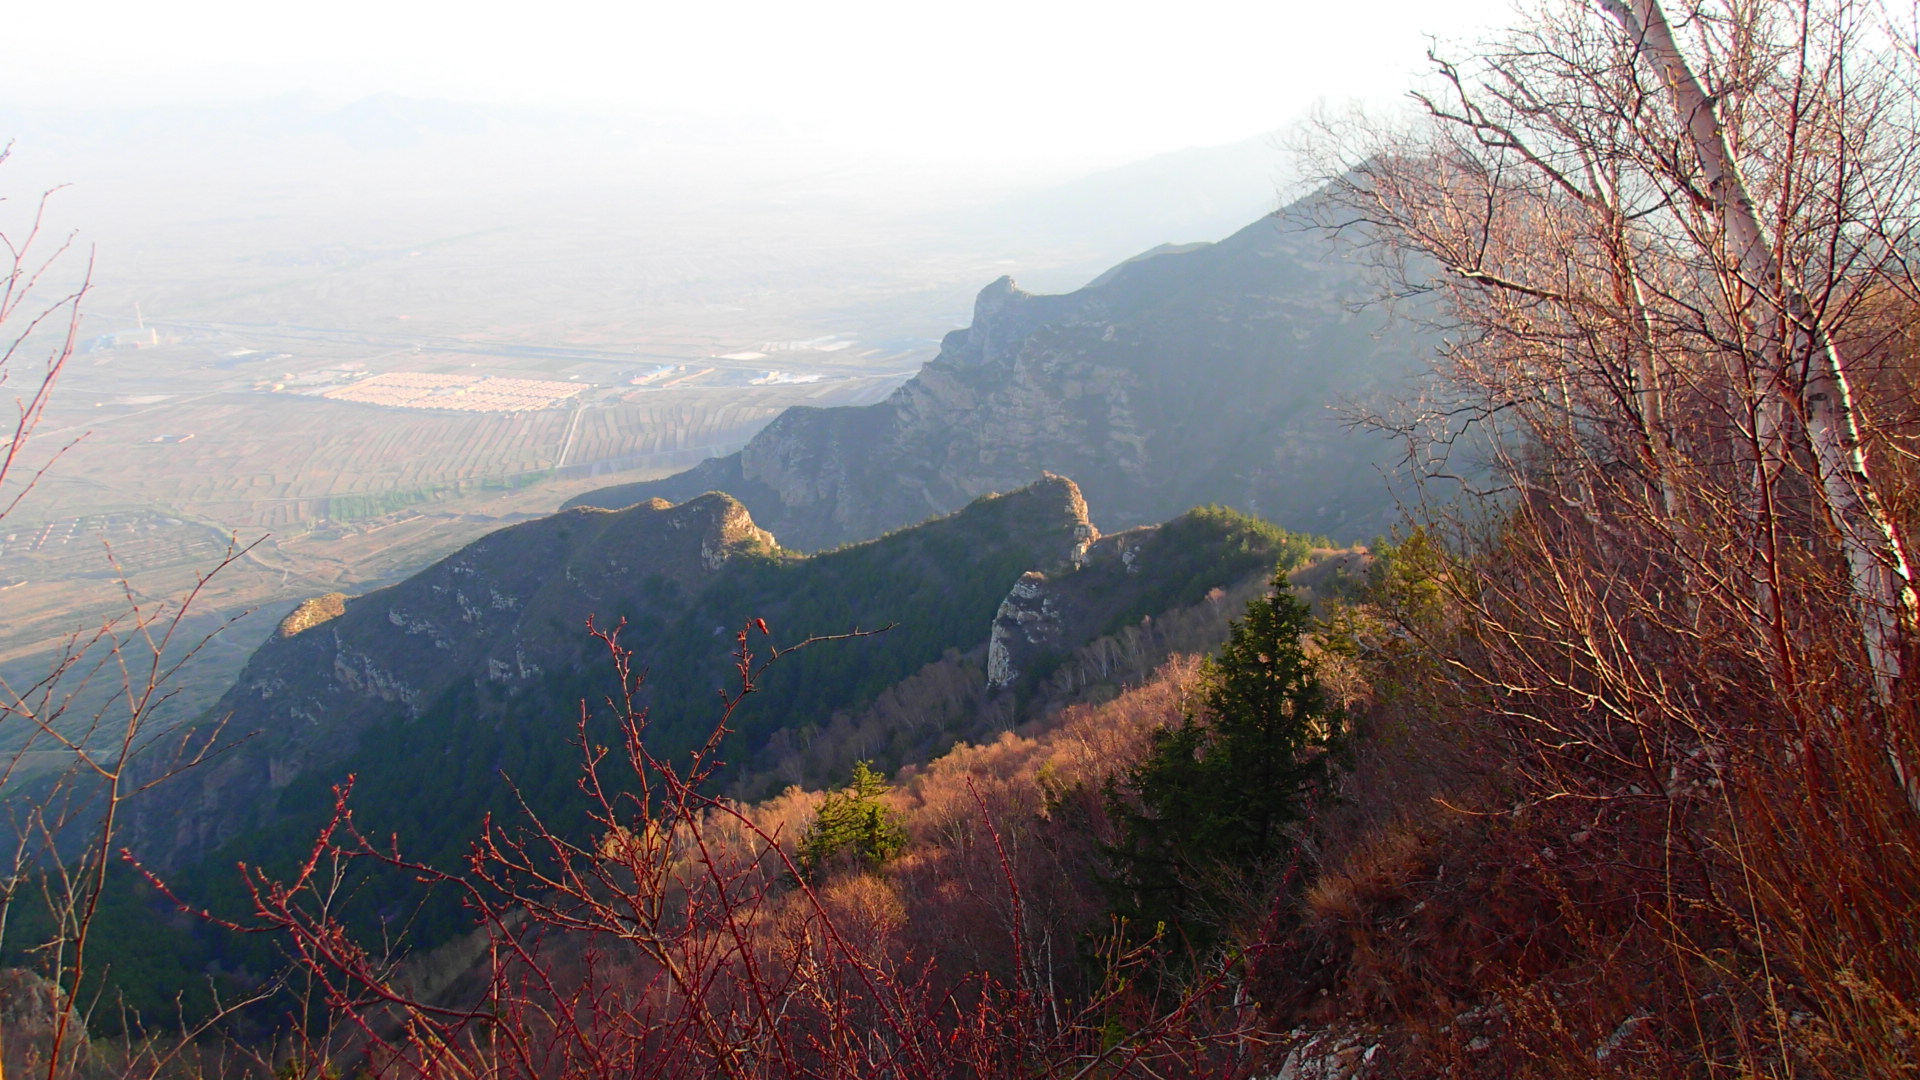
pixel 681 941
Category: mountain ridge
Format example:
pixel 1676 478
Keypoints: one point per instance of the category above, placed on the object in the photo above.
pixel 1190 375
pixel 498 629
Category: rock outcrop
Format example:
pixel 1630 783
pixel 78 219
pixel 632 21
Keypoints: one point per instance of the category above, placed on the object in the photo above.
pixel 1112 580
pixel 312 612
pixel 1028 619
pixel 1191 375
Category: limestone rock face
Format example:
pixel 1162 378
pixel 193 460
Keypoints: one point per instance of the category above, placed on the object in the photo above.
pixel 1028 620
pixel 1091 593
pixel 1210 373
pixel 30 1006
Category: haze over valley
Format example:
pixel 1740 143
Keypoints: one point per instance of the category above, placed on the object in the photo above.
pixel 267 274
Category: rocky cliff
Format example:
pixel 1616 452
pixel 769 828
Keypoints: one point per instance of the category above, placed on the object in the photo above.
pixel 1201 374
pixel 1124 577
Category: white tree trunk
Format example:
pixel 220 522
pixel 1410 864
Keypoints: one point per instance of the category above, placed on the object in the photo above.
pixel 1880 578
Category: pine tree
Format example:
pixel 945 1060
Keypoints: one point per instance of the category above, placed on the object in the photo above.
pixel 1205 813
pixel 853 819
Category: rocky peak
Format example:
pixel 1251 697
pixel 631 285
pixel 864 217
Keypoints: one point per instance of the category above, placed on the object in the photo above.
pixel 1002 317
pixel 1059 498
pixel 723 525
pixel 684 542
pixel 996 297
pixel 1028 620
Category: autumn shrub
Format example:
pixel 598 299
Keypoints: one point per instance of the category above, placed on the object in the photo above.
pixel 685 940
pixel 1041 794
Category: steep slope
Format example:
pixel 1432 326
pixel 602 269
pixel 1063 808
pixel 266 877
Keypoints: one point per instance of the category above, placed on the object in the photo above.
pixel 490 643
pixel 1071 635
pixel 458 694
pixel 1189 375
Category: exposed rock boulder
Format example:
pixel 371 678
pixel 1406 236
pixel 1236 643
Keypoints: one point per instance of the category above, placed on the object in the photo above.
pixel 312 612
pixel 1028 620
pixel 30 1006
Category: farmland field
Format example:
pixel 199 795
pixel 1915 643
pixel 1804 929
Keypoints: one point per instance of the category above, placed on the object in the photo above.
pixel 320 492
pixel 458 393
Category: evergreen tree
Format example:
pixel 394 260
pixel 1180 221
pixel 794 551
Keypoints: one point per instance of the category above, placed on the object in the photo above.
pixel 1204 813
pixel 853 819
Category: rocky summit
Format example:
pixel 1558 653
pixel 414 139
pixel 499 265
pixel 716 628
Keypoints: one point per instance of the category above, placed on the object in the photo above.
pixel 1207 373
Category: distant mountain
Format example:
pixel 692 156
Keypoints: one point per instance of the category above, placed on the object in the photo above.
pixel 1178 196
pixel 1188 375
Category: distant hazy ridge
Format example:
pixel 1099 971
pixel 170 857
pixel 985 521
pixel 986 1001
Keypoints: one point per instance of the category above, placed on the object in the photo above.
pixel 1191 375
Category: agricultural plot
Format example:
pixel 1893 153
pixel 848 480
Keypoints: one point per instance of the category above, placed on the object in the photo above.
pixel 672 428
pixel 102 546
pixel 276 460
pixel 340 495
pixel 666 424
pixel 284 462
pixel 459 393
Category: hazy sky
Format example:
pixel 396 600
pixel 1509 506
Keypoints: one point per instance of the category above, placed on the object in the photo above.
pixel 1011 76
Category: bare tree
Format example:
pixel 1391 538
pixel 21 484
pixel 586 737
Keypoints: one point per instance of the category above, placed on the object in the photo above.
pixel 28 318
pixel 1620 307
pixel 1671 247
pixel 1806 363
pixel 62 821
